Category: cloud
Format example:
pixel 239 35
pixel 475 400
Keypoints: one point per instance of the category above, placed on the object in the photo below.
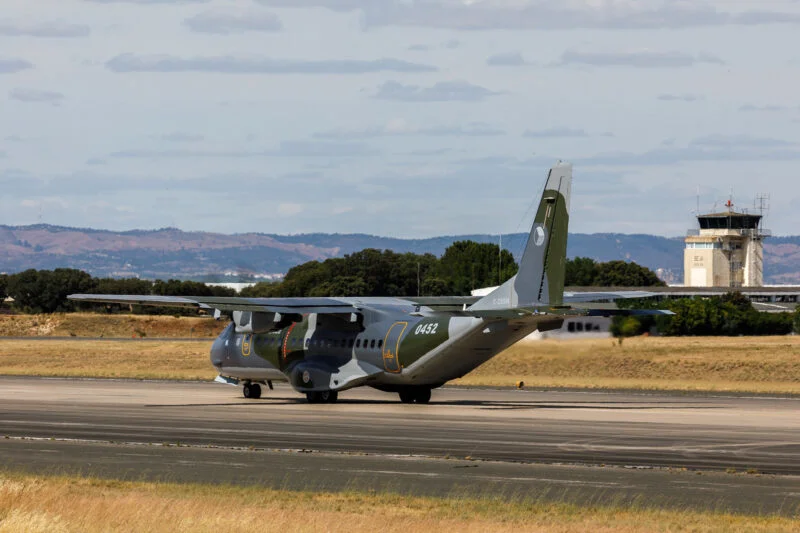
pixel 181 137
pixel 228 22
pixel 770 108
pixel 400 127
pixel 681 97
pixel 446 91
pixel 731 141
pixel 643 59
pixel 36 96
pixel 11 66
pixel 285 149
pixel 556 132
pixel 447 45
pixel 511 59
pixel 44 29
pixel 149 2
pixel 289 209
pixel 543 14
pixel 709 148
pixel 258 65
pixel 562 132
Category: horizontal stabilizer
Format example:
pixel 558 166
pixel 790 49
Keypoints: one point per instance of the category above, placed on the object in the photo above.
pixel 584 297
pixel 629 312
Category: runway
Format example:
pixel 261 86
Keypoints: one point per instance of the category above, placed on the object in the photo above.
pixel 587 445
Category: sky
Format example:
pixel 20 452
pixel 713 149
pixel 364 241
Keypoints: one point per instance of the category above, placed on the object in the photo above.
pixel 401 118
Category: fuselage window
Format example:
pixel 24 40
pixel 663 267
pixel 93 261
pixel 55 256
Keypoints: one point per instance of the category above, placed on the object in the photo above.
pixel 380 343
pixel 372 343
pixel 358 343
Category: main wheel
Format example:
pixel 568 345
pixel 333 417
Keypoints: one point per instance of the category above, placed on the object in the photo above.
pixel 255 391
pixel 422 395
pixel 312 397
pixel 407 396
pixel 247 390
pixel 328 396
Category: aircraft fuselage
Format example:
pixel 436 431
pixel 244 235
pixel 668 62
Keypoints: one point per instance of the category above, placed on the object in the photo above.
pixel 398 343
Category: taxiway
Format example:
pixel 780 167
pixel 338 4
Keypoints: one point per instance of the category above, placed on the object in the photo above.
pixel 586 444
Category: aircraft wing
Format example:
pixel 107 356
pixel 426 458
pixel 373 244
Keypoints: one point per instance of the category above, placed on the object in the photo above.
pixel 228 304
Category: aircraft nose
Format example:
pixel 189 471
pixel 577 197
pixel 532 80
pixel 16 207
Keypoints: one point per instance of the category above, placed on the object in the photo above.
pixel 218 350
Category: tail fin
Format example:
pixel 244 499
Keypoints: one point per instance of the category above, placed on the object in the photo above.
pixel 540 280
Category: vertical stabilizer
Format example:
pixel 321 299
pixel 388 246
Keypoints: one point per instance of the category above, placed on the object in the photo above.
pixel 540 280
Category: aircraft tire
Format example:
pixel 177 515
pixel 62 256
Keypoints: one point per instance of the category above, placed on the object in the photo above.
pixel 247 390
pixel 407 396
pixel 255 391
pixel 422 396
pixel 328 396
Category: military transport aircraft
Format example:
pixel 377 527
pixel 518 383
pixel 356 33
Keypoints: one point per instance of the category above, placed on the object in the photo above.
pixel 410 346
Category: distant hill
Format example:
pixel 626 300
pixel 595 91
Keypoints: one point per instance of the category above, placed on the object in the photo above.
pixel 172 253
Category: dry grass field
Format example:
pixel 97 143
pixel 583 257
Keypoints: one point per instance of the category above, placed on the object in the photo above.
pixel 752 364
pixel 742 364
pixel 184 360
pixel 60 504
pixel 107 326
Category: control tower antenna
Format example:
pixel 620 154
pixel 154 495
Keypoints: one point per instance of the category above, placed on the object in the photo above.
pixel 762 205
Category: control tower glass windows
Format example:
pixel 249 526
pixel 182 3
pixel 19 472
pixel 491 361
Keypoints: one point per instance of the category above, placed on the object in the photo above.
pixel 704 245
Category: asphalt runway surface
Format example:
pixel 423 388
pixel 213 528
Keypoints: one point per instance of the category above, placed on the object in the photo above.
pixel 580 446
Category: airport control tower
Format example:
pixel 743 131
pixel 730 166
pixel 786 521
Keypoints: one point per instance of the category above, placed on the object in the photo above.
pixel 727 250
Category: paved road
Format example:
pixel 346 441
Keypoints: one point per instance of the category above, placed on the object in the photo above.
pixel 514 440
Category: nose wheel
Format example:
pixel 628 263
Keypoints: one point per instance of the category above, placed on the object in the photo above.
pixel 252 391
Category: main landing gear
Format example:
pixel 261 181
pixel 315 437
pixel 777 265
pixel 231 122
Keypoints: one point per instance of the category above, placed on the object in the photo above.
pixel 327 396
pixel 252 391
pixel 415 395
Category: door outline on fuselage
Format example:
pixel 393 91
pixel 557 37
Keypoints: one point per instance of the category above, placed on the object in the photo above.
pixel 391 361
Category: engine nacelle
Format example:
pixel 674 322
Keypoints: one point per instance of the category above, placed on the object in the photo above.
pixel 250 322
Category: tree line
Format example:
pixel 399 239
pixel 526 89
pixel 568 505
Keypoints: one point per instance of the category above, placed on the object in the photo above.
pixel 46 291
pixel 731 314
pixel 464 266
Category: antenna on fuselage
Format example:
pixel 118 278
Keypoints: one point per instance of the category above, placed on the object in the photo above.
pixel 500 262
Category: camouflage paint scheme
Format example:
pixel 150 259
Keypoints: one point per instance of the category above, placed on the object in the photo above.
pixel 408 345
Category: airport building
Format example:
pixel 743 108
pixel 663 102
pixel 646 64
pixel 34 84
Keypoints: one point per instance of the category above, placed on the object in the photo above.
pixel 726 251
